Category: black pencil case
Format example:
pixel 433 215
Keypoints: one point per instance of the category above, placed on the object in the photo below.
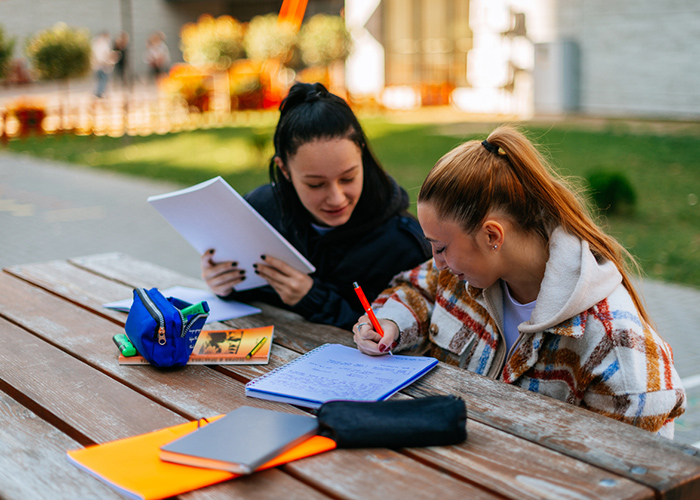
pixel 430 421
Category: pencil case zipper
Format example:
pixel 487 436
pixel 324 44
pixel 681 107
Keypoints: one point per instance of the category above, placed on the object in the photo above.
pixel 186 325
pixel 155 312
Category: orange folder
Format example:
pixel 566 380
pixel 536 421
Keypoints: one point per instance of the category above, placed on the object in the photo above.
pixel 133 466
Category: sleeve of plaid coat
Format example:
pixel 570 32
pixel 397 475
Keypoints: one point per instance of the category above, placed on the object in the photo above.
pixel 409 303
pixel 635 380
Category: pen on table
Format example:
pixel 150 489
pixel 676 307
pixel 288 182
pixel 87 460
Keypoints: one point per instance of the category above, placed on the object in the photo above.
pixel 256 348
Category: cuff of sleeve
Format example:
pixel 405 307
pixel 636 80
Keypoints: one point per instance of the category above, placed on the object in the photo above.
pixel 309 302
pixel 399 314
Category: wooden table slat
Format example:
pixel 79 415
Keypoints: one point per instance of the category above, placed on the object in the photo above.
pixel 29 444
pixel 668 467
pixel 493 453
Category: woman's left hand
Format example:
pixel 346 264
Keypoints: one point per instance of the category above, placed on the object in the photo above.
pixel 291 285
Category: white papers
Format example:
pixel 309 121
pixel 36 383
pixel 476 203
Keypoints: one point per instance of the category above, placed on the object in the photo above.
pixel 213 215
pixel 337 372
pixel 219 310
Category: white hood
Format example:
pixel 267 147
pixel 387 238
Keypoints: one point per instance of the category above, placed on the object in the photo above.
pixel 574 281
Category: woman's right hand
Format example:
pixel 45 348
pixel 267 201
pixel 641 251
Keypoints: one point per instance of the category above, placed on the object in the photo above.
pixel 220 277
pixel 369 341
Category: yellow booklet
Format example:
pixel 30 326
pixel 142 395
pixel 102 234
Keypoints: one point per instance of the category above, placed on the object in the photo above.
pixel 133 466
pixel 246 346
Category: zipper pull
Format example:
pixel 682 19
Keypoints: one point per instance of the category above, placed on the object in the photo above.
pixel 161 335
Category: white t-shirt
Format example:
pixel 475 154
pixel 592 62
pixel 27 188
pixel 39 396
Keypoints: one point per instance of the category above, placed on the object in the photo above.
pixel 514 313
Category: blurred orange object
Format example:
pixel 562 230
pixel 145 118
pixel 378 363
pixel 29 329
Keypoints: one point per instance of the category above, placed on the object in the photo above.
pixel 292 11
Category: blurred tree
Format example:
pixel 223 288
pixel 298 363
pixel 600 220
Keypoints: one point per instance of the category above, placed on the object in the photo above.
pixel 268 38
pixel 60 53
pixel 324 39
pixel 7 46
pixel 218 42
pixel 272 42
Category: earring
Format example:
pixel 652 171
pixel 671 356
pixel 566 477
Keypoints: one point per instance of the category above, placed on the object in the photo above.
pixel 495 247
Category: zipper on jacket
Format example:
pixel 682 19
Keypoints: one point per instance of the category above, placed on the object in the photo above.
pixel 500 359
pixel 155 312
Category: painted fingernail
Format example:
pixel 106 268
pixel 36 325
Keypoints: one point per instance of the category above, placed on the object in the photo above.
pixel 255 266
pixel 382 348
pixel 234 264
pixel 262 257
pixel 242 271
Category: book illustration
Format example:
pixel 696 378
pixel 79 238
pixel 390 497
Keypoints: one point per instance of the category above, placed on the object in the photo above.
pixel 249 346
pixel 336 372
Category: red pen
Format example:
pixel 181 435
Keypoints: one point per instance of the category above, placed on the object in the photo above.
pixel 368 309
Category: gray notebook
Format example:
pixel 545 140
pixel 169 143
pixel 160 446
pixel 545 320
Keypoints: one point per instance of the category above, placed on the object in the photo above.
pixel 241 441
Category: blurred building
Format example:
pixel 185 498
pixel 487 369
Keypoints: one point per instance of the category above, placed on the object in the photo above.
pixel 529 56
pixel 522 57
pixel 140 18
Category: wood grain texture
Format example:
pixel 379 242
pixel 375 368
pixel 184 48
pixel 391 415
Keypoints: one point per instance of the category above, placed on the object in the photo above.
pixel 490 453
pixel 381 474
pixel 34 451
pixel 668 467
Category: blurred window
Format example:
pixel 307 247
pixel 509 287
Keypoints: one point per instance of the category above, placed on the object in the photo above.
pixel 426 42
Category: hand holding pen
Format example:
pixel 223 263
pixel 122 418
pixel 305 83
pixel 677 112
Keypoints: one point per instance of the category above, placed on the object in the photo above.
pixel 366 338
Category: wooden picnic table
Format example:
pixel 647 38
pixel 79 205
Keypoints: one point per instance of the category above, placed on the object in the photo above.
pixel 62 388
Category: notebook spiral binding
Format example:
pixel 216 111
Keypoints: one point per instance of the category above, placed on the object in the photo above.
pixel 279 368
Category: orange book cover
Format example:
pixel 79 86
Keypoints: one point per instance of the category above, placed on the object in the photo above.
pixel 246 346
pixel 134 468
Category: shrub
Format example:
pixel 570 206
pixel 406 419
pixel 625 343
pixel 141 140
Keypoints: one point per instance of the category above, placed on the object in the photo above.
pixel 266 38
pixel 212 41
pixel 612 191
pixel 7 45
pixel 60 53
pixel 324 39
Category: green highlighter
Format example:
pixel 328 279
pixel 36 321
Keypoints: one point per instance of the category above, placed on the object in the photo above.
pixel 194 309
pixel 124 344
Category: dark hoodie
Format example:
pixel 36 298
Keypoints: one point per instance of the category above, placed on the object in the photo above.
pixel 371 248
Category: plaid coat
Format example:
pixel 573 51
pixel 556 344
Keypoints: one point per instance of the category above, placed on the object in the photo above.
pixel 584 344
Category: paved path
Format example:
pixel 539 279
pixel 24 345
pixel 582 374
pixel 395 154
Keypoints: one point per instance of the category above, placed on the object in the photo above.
pixel 53 211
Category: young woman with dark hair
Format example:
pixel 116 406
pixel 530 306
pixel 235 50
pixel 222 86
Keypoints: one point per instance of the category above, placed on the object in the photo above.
pixel 524 287
pixel 331 199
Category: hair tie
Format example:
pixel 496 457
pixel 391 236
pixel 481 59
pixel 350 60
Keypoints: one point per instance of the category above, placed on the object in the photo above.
pixel 492 149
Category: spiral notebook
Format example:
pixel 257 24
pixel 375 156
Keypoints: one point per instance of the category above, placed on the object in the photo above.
pixel 337 372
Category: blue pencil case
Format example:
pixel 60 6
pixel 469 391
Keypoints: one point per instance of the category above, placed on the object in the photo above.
pixel 159 330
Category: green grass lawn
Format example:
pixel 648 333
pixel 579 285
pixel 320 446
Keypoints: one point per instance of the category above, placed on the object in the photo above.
pixel 664 169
